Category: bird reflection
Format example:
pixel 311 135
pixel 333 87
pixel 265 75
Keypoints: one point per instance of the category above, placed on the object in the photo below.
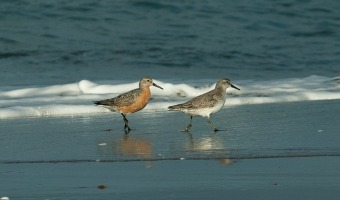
pixel 211 144
pixel 129 146
pixel 135 146
pixel 208 143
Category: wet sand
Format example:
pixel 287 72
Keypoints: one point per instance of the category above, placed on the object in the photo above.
pixel 269 151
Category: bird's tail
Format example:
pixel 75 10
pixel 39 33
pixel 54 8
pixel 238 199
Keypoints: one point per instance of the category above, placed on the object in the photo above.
pixel 97 103
pixel 174 107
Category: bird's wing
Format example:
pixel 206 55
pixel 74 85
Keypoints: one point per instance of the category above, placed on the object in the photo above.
pixel 124 99
pixel 205 100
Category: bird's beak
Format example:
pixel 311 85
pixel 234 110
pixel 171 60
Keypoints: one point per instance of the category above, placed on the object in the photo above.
pixel 233 86
pixel 154 84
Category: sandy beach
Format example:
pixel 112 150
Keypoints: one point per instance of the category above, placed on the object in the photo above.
pixel 267 151
pixel 280 133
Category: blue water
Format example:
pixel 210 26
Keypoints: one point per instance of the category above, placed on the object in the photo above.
pixel 57 57
pixel 58 42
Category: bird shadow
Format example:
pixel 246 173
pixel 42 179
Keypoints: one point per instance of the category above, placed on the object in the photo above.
pixel 108 129
pixel 220 130
pixel 212 131
pixel 126 131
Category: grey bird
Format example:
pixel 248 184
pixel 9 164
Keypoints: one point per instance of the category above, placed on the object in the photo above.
pixel 206 104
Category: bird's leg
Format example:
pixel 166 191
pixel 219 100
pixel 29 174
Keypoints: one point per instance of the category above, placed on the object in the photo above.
pixel 189 125
pixel 212 125
pixel 126 122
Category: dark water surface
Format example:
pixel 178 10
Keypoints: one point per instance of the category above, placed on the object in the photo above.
pixel 287 150
pixel 50 42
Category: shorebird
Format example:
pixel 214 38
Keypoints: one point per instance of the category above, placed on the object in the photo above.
pixel 130 102
pixel 206 104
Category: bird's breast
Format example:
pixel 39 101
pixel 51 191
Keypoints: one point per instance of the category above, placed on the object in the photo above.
pixel 141 101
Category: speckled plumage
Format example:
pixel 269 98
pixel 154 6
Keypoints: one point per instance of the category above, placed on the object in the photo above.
pixel 206 104
pixel 130 102
pixel 124 99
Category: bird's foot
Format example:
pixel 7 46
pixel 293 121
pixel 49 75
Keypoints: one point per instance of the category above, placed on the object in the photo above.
pixel 186 130
pixel 215 129
pixel 127 128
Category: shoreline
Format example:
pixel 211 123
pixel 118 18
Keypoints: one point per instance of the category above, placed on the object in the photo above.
pixel 247 179
pixel 282 151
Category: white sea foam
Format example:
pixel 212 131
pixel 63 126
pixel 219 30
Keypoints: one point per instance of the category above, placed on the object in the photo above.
pixel 77 98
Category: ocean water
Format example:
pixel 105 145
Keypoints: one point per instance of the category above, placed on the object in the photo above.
pixel 56 57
